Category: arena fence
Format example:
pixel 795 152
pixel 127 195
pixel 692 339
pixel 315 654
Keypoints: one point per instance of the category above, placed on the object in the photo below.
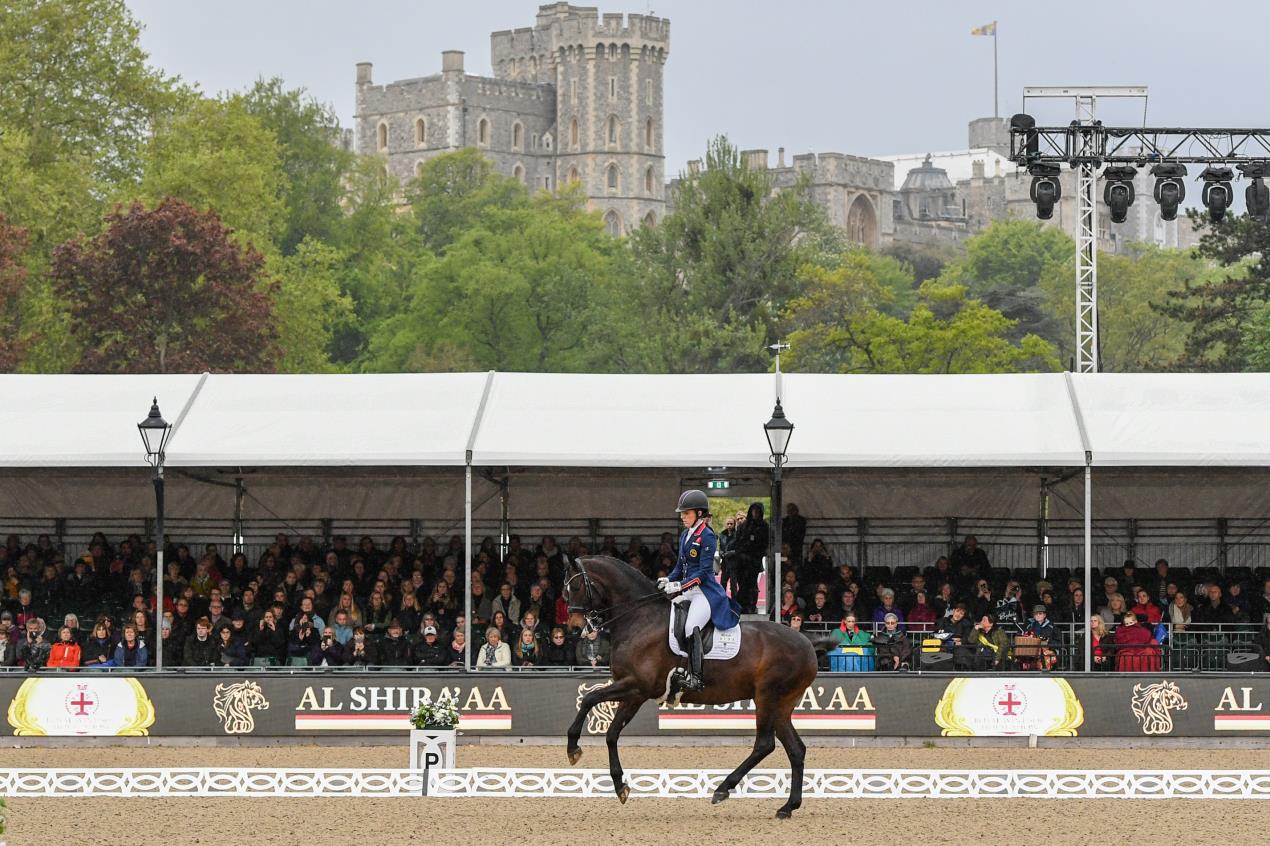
pixel 492 783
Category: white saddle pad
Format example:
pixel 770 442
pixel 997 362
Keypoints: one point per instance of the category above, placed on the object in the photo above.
pixel 727 643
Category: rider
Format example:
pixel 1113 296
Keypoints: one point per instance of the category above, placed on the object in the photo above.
pixel 693 576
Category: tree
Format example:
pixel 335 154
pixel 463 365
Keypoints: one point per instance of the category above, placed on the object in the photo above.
pixel 1003 268
pixel 217 156
pixel 842 330
pixel 1133 334
pixel 166 290
pixel 310 307
pixel 313 163
pixel 74 77
pixel 12 281
pixel 454 192
pixel 709 282
pixel 1222 307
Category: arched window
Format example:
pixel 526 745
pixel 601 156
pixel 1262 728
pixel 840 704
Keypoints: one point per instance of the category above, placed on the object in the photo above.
pixel 650 219
pixel 482 132
pixel 421 132
pixel 573 174
pixel 648 181
pixel 613 130
pixel 648 134
pixel 612 52
pixel 862 223
pixel 381 138
pixel 518 173
pixel 613 223
pixel 611 177
pixel 573 132
pixel 518 136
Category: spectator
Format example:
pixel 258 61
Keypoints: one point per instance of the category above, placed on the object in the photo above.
pixel 494 655
pixel 921 617
pixel 1237 602
pixel 64 653
pixel 200 650
pixel 849 633
pixel 1075 613
pixel 888 606
pixel 794 532
pixel 458 648
pixel 1180 612
pixel 992 646
pixel 506 602
pixel 749 548
pixel 557 652
pixel 1113 613
pixel 71 621
pixel 429 652
pixel 141 622
pixel 360 651
pixel 342 627
pixel 328 652
pixel 1146 610
pixel 1259 608
pixel 969 558
pixel 847 604
pixel 1042 629
pixel 819 611
pixel 1100 637
pixel 410 614
pixel 528 651
pixel 269 640
pixel 789 604
pixel 1136 651
pixel 395 650
pixel 891 646
pixel 1008 614
pixel 957 635
pixel 1262 642
pixel 303 639
pixel 592 649
pixel 1214 612
pixel 33 651
pixel 131 650
pixel 98 650
pixel 8 649
pixel 231 651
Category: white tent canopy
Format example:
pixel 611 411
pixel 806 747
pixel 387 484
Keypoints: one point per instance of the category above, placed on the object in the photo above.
pixel 641 421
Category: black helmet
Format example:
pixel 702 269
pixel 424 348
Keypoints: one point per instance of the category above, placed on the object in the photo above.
pixel 693 500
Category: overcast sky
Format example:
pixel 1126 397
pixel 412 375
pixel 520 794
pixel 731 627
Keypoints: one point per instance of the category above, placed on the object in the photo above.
pixel 867 78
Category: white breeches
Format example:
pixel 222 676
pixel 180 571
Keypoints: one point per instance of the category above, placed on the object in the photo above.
pixel 698 610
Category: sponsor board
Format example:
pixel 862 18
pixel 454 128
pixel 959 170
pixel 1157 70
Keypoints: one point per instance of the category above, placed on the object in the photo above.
pixel 388 707
pixel 994 706
pixel 823 708
pixel 81 705
pixel 1240 709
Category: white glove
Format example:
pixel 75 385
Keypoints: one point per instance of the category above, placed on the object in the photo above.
pixel 662 582
pixel 670 588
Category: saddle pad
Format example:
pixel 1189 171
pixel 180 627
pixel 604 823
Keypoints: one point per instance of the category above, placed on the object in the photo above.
pixel 727 643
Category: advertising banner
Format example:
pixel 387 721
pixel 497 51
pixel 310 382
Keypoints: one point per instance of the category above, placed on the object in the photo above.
pixel 521 704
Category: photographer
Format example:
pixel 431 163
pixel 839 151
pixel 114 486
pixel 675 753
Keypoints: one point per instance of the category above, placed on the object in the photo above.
pixel 360 651
pixel 33 650
pixel 303 638
pixel 327 652
pixel 269 639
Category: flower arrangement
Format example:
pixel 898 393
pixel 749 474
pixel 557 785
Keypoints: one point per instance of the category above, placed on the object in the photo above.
pixel 443 714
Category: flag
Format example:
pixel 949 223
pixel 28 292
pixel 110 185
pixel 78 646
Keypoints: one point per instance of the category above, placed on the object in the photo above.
pixel 986 29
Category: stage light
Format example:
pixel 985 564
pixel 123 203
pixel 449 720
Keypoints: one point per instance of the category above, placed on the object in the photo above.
pixel 1119 193
pixel 1046 189
pixel 1217 191
pixel 1170 190
pixel 1031 141
pixel 1257 194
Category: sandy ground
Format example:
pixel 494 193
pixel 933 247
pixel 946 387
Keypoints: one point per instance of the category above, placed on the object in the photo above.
pixel 389 822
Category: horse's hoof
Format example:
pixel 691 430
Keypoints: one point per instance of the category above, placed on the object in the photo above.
pixel 624 793
pixel 719 796
pixel 575 755
pixel 784 814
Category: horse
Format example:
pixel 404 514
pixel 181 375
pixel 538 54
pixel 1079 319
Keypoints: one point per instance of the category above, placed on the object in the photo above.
pixel 775 667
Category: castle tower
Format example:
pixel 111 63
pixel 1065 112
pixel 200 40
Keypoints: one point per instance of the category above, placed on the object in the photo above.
pixel 607 74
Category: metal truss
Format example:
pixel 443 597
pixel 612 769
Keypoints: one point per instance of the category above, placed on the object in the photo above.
pixel 1095 144
pixel 493 782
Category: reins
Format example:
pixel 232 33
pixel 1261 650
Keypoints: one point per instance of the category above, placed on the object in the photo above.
pixel 595 618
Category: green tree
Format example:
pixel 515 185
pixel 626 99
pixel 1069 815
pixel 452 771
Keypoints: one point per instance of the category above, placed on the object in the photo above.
pixel 709 282
pixel 217 156
pixel 1133 333
pixel 1223 308
pixel 1003 268
pixel 12 282
pixel 74 77
pixel 166 290
pixel 454 192
pixel 314 165
pixel 310 306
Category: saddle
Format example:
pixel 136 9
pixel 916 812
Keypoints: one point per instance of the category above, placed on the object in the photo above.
pixel 680 612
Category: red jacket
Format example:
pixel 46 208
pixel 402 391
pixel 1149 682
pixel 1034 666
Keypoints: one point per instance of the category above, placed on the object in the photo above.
pixel 1136 650
pixel 64 655
pixel 1150 613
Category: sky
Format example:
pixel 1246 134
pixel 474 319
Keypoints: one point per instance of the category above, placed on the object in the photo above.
pixel 865 78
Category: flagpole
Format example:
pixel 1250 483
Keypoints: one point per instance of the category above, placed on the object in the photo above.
pixel 996 111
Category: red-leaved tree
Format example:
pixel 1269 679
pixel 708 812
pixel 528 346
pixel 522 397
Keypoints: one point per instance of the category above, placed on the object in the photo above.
pixel 167 290
pixel 12 279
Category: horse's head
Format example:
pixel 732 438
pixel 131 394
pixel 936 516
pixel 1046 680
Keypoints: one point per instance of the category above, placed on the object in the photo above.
pixel 598 583
pixel 581 592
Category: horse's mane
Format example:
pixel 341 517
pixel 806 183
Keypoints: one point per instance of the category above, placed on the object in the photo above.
pixel 622 580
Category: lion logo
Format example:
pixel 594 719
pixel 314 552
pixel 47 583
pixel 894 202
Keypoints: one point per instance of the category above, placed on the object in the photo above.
pixel 234 703
pixel 1154 705
pixel 601 716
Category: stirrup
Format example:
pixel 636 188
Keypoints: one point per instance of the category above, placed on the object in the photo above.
pixel 687 682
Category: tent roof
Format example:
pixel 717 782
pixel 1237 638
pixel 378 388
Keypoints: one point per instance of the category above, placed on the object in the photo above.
pixel 589 420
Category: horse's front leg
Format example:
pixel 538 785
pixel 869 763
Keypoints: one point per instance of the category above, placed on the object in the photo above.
pixel 617 690
pixel 626 711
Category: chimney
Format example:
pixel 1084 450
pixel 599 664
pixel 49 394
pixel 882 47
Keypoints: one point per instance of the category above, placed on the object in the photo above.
pixel 363 73
pixel 780 156
pixel 755 159
pixel 694 167
pixel 451 61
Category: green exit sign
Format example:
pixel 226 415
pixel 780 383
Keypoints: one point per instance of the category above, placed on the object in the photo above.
pixel 719 484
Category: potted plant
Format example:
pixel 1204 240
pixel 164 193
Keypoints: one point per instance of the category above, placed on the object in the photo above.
pixel 433 734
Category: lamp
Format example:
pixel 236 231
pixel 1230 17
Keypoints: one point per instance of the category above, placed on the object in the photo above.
pixel 778 431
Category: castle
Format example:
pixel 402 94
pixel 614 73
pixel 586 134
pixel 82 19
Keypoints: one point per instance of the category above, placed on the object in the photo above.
pixel 577 98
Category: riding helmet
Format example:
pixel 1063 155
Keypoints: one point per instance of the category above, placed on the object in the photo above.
pixel 693 500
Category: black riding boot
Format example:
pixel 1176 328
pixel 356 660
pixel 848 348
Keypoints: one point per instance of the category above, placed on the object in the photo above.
pixel 694 679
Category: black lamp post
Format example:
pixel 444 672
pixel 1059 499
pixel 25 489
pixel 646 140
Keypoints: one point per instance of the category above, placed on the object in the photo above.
pixel 154 434
pixel 778 431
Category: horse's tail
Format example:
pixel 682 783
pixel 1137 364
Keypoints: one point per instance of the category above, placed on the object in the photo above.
pixel 822 643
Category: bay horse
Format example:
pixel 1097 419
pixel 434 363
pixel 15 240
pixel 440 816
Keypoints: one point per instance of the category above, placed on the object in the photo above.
pixel 775 667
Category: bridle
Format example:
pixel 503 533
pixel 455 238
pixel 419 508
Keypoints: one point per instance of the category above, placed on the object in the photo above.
pixel 595 618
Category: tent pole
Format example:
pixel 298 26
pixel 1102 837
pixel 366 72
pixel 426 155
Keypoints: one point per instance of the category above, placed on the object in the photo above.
pixel 1089 566
pixel 466 570
pixel 504 516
